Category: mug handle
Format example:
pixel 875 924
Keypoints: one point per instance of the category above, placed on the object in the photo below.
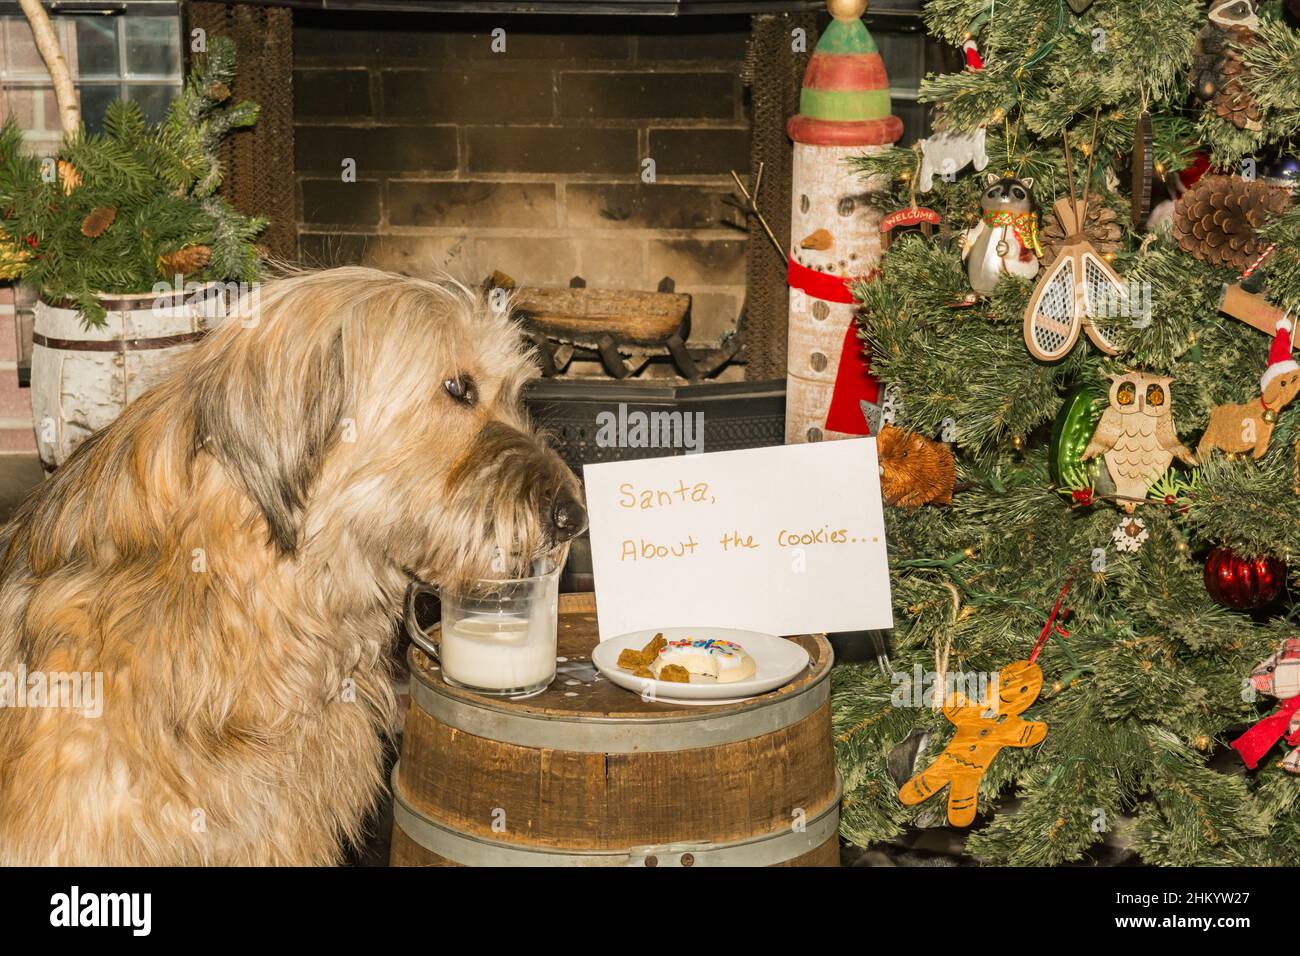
pixel 417 634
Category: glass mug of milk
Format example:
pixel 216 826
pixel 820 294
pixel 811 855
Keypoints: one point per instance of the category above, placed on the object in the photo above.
pixel 499 637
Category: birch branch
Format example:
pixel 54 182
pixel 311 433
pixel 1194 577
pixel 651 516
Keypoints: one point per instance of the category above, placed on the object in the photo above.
pixel 47 42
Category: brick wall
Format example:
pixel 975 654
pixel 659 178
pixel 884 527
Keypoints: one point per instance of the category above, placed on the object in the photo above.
pixel 529 160
pixel 33 108
pixel 16 433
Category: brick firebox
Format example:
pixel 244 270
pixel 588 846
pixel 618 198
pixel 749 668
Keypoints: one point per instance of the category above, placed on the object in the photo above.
pixel 529 159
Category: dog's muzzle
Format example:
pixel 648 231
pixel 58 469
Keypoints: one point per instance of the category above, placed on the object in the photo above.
pixel 567 517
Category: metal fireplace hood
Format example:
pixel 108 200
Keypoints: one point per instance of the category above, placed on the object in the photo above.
pixel 667 8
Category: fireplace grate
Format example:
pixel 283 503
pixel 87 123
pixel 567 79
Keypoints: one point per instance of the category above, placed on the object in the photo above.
pixel 590 421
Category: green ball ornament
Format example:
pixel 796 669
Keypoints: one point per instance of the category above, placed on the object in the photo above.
pixel 1071 432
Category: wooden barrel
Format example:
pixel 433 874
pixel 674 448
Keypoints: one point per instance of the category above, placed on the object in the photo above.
pixel 83 378
pixel 589 774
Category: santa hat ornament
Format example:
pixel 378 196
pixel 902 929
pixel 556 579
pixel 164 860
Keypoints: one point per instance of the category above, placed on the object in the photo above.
pixel 844 112
pixel 1279 355
pixel 1191 174
pixel 972 51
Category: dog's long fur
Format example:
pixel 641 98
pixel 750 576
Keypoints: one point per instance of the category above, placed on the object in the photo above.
pixel 231 555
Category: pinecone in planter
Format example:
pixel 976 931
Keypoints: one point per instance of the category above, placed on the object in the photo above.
pixel 186 261
pixel 69 177
pixel 97 221
pixel 1101 227
pixel 1217 219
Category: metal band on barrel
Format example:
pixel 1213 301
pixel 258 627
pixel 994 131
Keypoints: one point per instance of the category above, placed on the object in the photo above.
pixel 116 345
pixel 765 850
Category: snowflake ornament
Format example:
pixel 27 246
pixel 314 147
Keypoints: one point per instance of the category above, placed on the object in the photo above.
pixel 1130 534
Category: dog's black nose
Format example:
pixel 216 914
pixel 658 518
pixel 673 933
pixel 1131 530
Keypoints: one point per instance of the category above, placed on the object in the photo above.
pixel 568 516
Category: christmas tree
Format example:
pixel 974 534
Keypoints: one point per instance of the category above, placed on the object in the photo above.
pixel 135 205
pixel 1085 512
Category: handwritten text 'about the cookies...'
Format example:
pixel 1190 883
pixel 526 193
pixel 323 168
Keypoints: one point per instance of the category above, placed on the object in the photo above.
pixel 697 495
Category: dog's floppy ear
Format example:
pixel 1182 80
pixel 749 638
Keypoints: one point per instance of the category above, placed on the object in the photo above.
pixel 269 420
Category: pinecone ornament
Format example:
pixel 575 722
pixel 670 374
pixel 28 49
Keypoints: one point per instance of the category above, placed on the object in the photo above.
pixel 185 261
pixel 1101 227
pixel 1219 74
pixel 1217 220
pixel 1233 101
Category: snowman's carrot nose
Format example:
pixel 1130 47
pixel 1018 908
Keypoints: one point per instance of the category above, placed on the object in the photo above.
pixel 820 240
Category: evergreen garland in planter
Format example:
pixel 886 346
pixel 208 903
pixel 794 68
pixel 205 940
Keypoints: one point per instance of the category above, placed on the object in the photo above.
pixel 135 205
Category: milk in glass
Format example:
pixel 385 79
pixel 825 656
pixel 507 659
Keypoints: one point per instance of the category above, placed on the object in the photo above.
pixel 499 651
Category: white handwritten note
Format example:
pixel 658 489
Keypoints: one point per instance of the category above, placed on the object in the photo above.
pixel 784 540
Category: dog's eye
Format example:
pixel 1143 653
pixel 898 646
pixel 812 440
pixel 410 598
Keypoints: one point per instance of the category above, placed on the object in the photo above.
pixel 462 389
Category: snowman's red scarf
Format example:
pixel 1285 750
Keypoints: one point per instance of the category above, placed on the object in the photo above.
pixel 1254 743
pixel 819 285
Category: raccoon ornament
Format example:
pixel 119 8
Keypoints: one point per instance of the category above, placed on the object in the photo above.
pixel 1005 240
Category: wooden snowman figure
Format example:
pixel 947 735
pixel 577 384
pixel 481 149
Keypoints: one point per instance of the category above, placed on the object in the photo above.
pixel 844 111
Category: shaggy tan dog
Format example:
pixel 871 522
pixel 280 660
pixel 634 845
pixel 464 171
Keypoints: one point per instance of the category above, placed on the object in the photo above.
pixel 231 556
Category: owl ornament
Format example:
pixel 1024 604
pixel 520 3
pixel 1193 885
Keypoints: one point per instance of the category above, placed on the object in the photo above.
pixel 1136 436
pixel 1277 676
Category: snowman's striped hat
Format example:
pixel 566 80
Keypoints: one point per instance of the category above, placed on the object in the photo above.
pixel 845 95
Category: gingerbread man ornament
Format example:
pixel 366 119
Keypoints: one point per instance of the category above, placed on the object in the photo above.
pixel 981 734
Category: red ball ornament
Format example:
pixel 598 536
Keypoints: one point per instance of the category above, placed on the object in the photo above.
pixel 1243 583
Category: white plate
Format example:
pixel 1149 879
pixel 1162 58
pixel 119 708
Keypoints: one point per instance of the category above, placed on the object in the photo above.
pixel 777 661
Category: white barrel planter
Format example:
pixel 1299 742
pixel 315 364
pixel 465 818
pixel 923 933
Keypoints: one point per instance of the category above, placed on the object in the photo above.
pixel 83 378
